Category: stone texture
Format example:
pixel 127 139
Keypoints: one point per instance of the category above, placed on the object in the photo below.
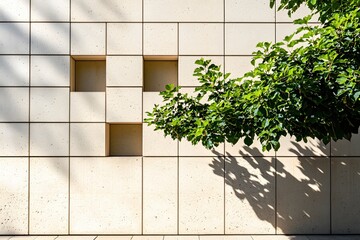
pixel 160 195
pixel 14 71
pixel 249 194
pixel 124 71
pixel 14 104
pixel 241 149
pixel 14 139
pixel 50 10
pixel 14 10
pixel 249 11
pixel 88 38
pixel 49 185
pixel 14 38
pixel 160 39
pixel 87 107
pixel 303 189
pixel 345 147
pixel 124 38
pixel 87 139
pixel 115 182
pixel 314 147
pixel 14 196
pixel 156 144
pixel 201 197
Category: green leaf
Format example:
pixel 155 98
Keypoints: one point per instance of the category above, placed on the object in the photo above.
pixel 248 141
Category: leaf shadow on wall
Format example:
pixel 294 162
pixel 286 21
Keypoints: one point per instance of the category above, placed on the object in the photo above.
pixel 283 195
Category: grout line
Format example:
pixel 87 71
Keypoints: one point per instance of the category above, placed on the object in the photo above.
pixel 69 159
pixel 142 120
pixel 29 197
pixel 330 189
pixel 224 159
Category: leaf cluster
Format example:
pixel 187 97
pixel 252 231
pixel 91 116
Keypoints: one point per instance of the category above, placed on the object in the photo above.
pixel 306 86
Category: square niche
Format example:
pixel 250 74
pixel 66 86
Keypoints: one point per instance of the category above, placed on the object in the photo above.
pixel 88 74
pixel 124 139
pixel 159 72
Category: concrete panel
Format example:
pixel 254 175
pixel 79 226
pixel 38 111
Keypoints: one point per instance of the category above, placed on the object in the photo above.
pixel 158 74
pixel 14 70
pixel 225 237
pixel 345 147
pixel 186 148
pixel 14 38
pixel 14 196
pixel 201 197
pixel 241 149
pixel 160 195
pixel 87 139
pixel 90 75
pixel 183 11
pixel 160 39
pixel 50 38
pixel 314 147
pixel 76 237
pixel 181 237
pixel 49 185
pixel 124 71
pixel 50 10
pixel 249 11
pixel 249 194
pixel 187 66
pixel 238 66
pixel 156 144
pixel 345 176
pixel 87 107
pixel 50 71
pixel 106 11
pixel 124 104
pixel 14 139
pixel 201 39
pixel 114 237
pixel 88 38
pixel 14 104
pixel 111 204
pixel 14 10
pixel 49 104
pixel 49 139
pixel 124 38
pixel 241 38
pixel 303 190
pixel 125 140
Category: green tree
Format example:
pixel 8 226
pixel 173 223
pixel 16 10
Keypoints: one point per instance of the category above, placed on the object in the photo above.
pixel 306 86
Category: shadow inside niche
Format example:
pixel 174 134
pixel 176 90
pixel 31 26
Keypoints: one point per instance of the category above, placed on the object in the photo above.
pixel 289 193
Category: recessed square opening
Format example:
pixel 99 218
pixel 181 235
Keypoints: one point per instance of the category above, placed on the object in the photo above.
pixel 88 74
pixel 124 139
pixel 159 72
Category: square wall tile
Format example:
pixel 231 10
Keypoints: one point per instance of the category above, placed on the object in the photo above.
pixel 241 149
pixel 49 104
pixel 115 182
pixel 14 10
pixel 14 139
pixel 14 104
pixel 160 195
pixel 160 39
pixel 187 66
pixel 124 38
pixel 201 196
pixel 124 105
pixel 50 10
pixel 50 38
pixel 159 73
pixel 149 101
pixel 14 38
pixel 345 185
pixel 49 185
pixel 186 148
pixel 241 38
pixel 183 11
pixel 49 139
pixel 201 39
pixel 156 144
pixel 125 139
pixel 124 71
pixel 249 194
pixel 88 38
pixel 14 70
pixel 345 147
pixel 106 11
pixel 249 11
pixel 87 139
pixel 14 196
pixel 88 75
pixel 87 107
pixel 314 147
pixel 303 188
pixel 238 66
pixel 51 71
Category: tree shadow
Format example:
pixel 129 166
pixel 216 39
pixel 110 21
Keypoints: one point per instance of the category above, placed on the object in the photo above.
pixel 286 195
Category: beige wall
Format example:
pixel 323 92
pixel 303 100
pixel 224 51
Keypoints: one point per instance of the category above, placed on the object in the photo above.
pixel 55 173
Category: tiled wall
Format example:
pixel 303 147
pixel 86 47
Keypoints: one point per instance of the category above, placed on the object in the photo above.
pixel 55 175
